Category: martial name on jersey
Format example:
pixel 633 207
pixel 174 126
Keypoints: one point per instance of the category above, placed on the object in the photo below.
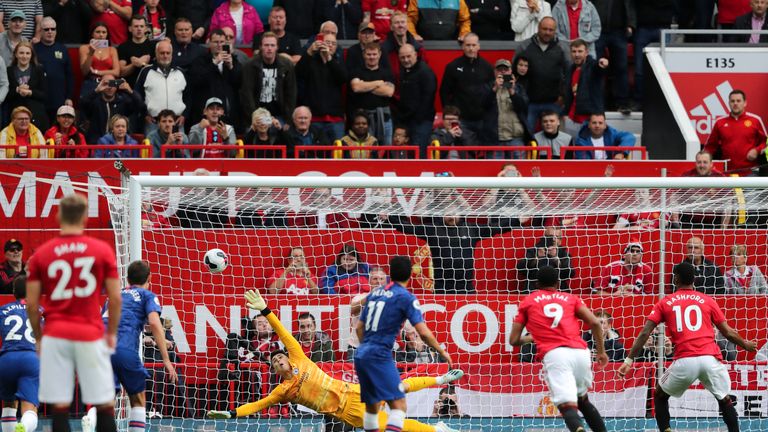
pixel 542 296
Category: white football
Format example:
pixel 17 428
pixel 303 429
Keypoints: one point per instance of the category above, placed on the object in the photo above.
pixel 216 260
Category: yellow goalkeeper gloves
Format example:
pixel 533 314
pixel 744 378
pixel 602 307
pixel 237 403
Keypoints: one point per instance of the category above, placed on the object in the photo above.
pixel 254 300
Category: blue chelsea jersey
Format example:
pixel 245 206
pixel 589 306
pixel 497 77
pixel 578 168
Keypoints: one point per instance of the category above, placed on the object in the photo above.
pixel 15 329
pixel 138 303
pixel 385 311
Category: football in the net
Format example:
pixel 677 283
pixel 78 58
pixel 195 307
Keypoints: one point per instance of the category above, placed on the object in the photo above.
pixel 216 260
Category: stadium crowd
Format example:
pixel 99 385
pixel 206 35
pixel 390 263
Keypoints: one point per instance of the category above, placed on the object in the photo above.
pixel 174 71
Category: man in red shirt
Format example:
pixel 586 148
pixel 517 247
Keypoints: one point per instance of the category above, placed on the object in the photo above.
pixel 380 12
pixel 552 318
pixel 115 14
pixel 70 272
pixel 626 276
pixel 689 316
pixel 739 137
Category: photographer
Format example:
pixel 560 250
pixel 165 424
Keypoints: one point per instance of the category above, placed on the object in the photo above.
pixel 507 113
pixel 450 132
pixel 548 251
pixel 447 404
pixel 111 96
pixel 168 133
pixel 212 130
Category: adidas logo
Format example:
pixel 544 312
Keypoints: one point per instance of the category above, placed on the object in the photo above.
pixel 715 105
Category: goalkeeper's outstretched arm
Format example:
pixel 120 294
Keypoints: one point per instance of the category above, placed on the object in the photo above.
pixel 254 300
pixel 249 408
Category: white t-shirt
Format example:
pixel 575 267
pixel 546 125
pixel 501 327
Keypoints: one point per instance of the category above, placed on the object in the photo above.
pixel 237 16
pixel 599 154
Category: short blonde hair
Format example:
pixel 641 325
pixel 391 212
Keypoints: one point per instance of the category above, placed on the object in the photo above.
pixel 263 115
pixel 114 119
pixel 740 250
pixel 19 109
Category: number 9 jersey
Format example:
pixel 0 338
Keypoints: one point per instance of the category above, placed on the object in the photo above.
pixel 550 317
pixel 72 270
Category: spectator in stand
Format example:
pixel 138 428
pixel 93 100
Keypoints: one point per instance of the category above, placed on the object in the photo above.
pixel 118 135
pixel 240 55
pixel 611 339
pixel 584 94
pixel 548 60
pixel 415 109
pixel 438 20
pixel 240 15
pixel 447 404
pixel 695 15
pixel 195 12
pixel 13 266
pixel 400 138
pixel 597 133
pixel 347 14
pixel 490 19
pixel 295 278
pixel 372 88
pixel 449 132
pixel 358 136
pixel 157 20
pixel 380 12
pixel 396 39
pixel 269 81
pixel 743 278
pixel 727 12
pixel 704 167
pixel 739 137
pixel 550 135
pixel 287 43
pixel 317 345
pixel 347 275
pixel 325 75
pixel 618 21
pixel 377 278
pixel 652 17
pixel 161 85
pixel 115 15
pixel 137 52
pixel 299 15
pixel 32 9
pixel 168 133
pixel 97 59
pixel 355 59
pixel 506 123
pixel 109 98
pixel 10 38
pixel 526 15
pixel 577 19
pixel 54 58
pixel 263 131
pixel 709 277
pixel 185 50
pixel 754 20
pixel 211 130
pixel 518 200
pixel 413 349
pixel 22 133
pixel 262 338
pixel 319 210
pixel 548 251
pixel 520 70
pixel 697 198
pixel 74 17
pixel 216 74
pixel 467 85
pixel 28 86
pixel 650 220
pixel 64 132
pixel 650 352
pixel 161 392
pixel 627 276
pixel 302 133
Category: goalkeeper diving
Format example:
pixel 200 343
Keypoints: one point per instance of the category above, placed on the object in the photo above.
pixel 303 382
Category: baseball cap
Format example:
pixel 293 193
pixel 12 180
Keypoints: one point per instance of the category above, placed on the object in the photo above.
pixel 213 100
pixel 65 110
pixel 503 62
pixel 364 26
pixel 13 243
pixel 635 244
pixel 18 14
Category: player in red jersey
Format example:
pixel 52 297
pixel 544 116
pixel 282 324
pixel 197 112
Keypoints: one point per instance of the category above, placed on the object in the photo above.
pixel 552 318
pixel 689 316
pixel 68 274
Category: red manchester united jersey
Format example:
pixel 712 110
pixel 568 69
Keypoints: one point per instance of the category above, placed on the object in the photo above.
pixel 616 274
pixel 550 317
pixel 689 316
pixel 732 138
pixel 72 270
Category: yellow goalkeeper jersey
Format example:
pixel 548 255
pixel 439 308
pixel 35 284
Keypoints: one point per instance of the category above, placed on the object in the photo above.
pixel 309 386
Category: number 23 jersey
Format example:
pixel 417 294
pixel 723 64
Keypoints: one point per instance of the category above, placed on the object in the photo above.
pixel 72 270
pixel 690 316
pixel 550 317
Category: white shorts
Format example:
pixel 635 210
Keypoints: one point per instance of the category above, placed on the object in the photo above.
pixel 568 372
pixel 61 358
pixel 707 369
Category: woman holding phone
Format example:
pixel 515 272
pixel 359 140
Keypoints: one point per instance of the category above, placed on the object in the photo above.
pixel 240 16
pixel 97 58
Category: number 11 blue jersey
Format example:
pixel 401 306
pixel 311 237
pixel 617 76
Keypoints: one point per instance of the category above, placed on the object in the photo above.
pixel 385 311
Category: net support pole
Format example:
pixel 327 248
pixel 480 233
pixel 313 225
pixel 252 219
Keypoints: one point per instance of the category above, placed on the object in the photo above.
pixel 134 220
pixel 662 275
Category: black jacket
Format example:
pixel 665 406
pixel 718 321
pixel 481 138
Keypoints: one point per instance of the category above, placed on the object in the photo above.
pixel 36 101
pixel 616 14
pixel 73 19
pixel 528 267
pixel 346 16
pixel 519 106
pixel 94 113
pixel 417 86
pixel 286 86
pixel 204 81
pixel 613 346
pixel 452 248
pixel 491 21
pixel 315 135
pixel 709 278
pixel 655 13
pixel 744 22
pixel 326 81
pixel 547 69
pixel 589 96
pixel 467 84
pixel 301 21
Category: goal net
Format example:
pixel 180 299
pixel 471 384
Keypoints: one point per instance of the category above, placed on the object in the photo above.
pixel 313 244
